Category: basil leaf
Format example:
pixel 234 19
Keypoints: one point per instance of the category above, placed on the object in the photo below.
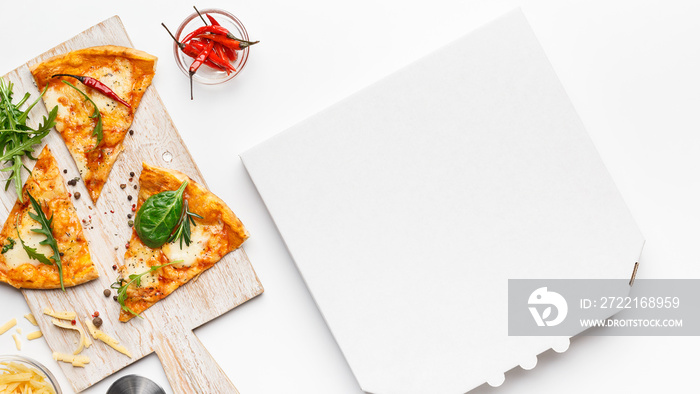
pixel 158 216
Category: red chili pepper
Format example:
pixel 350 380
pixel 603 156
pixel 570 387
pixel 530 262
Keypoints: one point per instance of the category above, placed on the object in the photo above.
pixel 193 53
pixel 205 29
pixel 217 30
pixel 225 41
pixel 213 21
pixel 95 84
pixel 232 55
pixel 197 63
pixel 219 51
pixel 197 46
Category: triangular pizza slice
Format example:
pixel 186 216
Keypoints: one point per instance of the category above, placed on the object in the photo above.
pixel 95 138
pixel 150 274
pixel 20 235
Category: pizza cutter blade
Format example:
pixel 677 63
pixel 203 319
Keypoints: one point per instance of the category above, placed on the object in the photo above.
pixel 134 384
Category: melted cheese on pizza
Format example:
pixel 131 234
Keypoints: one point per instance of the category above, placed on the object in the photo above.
pixel 127 72
pixel 188 254
pixel 138 264
pixel 17 256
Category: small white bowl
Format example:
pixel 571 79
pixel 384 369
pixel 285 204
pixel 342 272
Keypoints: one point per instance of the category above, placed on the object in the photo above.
pixel 207 75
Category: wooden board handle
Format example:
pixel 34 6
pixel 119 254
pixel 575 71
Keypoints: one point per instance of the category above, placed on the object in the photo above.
pixel 189 366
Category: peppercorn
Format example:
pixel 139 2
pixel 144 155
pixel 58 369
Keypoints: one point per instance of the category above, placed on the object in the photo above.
pixel 131 223
pixel 131 132
pixel 107 292
pixel 72 182
pixel 123 185
pixel 65 171
pixel 76 195
pixel 72 322
pixel 97 322
pixel 114 298
pixel 128 216
pixel 129 197
pixel 131 174
pixel 135 187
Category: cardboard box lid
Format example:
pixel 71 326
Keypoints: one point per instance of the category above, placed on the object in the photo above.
pixel 409 205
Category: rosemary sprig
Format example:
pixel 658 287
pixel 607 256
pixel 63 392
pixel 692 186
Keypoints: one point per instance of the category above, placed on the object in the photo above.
pixel 121 285
pixel 16 138
pixel 97 131
pixel 45 230
pixel 183 231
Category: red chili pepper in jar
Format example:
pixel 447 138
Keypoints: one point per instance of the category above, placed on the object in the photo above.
pixel 97 85
pixel 213 21
pixel 198 46
pixel 195 47
pixel 217 30
pixel 225 41
pixel 197 63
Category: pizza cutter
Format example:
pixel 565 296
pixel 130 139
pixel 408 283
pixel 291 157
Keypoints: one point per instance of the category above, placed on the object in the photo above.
pixel 134 384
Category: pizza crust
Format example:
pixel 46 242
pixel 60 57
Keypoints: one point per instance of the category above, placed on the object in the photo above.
pixel 127 71
pixel 45 184
pixel 222 232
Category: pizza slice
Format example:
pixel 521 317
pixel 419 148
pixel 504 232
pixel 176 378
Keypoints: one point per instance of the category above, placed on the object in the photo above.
pixel 155 268
pixel 20 235
pixel 92 121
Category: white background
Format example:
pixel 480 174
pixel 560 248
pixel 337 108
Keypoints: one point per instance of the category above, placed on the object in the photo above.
pixel 631 68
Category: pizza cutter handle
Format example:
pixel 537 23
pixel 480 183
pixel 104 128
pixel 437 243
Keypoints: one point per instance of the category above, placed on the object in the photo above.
pixel 189 366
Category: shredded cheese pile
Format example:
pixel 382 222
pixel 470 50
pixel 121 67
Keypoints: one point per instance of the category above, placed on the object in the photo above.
pixel 17 378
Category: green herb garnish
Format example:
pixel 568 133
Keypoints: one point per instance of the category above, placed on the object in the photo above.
pixel 16 138
pixel 10 244
pixel 121 285
pixel 164 217
pixel 97 131
pixel 183 231
pixel 45 230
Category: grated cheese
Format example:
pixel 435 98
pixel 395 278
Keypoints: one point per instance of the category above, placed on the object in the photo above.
pixel 6 327
pixel 77 361
pixel 65 315
pixel 113 343
pixel 34 335
pixel 31 319
pixel 85 341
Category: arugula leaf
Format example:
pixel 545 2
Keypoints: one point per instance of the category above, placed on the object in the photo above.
pixel 23 117
pixel 10 244
pixel 121 286
pixel 97 131
pixel 16 138
pixel 33 253
pixel 45 230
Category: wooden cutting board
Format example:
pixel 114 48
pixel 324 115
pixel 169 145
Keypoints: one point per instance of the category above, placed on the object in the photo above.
pixel 166 327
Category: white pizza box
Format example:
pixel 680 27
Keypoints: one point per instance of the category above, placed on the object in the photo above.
pixel 408 205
